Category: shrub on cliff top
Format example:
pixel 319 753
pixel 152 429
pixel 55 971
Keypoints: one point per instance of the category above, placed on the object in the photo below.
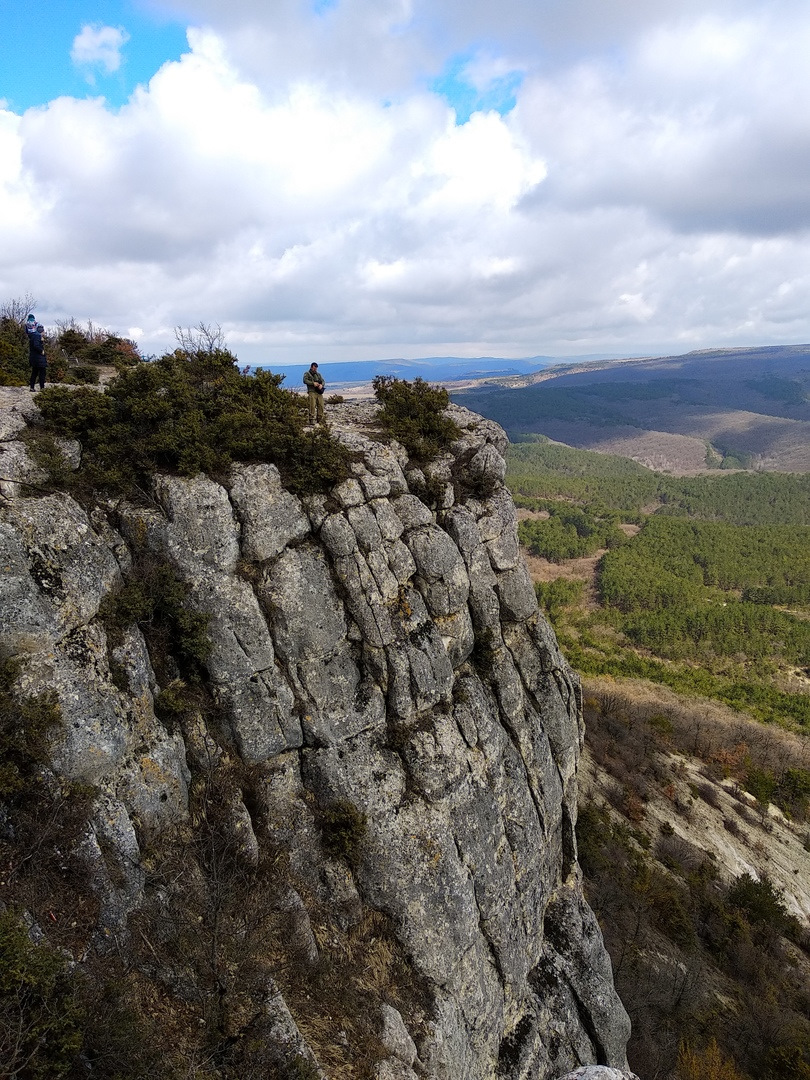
pixel 14 369
pixel 189 413
pixel 74 353
pixel 78 352
pixel 413 413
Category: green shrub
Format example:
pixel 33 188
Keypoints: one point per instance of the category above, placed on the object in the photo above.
pixel 81 375
pixel 792 793
pixel 760 901
pixel 301 1068
pixel 73 340
pixel 414 414
pixel 343 827
pixel 594 832
pixel 762 784
pixel 94 346
pixel 670 910
pixel 56 1022
pixel 155 599
pixel 40 1020
pixel 173 701
pixel 791 1061
pixel 122 1040
pixel 561 593
pixel 485 653
pixel 191 413
pixel 14 369
pixel 24 730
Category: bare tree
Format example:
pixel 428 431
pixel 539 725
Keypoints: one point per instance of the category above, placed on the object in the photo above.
pixel 17 309
pixel 202 338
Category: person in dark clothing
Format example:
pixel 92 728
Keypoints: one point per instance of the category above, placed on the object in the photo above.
pixel 36 352
pixel 315 384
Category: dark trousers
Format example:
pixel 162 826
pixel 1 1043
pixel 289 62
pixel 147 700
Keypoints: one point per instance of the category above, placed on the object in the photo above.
pixel 38 372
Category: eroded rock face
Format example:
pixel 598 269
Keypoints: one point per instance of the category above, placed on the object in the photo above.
pixel 371 648
pixel 598 1072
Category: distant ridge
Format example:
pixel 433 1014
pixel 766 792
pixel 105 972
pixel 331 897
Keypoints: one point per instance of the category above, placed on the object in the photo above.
pixel 751 360
pixel 431 368
pixel 728 407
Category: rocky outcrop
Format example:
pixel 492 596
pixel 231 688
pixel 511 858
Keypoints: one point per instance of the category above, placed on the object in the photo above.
pixel 377 650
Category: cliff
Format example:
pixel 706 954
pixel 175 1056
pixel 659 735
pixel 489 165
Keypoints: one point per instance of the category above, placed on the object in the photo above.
pixel 338 839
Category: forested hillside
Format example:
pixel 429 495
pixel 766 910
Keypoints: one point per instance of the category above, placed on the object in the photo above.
pixel 711 597
pixel 685 605
pixel 540 468
pixel 730 409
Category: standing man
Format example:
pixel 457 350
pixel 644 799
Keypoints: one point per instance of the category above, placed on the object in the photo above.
pixel 313 380
pixel 36 352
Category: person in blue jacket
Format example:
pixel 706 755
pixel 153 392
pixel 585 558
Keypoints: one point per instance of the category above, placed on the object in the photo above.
pixel 36 352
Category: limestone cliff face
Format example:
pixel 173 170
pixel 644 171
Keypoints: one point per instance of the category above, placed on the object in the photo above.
pixel 378 648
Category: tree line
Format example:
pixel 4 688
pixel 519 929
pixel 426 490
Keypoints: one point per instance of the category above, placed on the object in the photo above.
pixel 539 469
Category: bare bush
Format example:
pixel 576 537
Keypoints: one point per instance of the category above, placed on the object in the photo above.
pixel 677 853
pixel 710 795
pixel 733 826
pixel 18 309
pixel 656 720
pixel 202 338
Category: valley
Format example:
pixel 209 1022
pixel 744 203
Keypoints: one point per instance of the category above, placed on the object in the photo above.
pixel 694 806
pixel 729 408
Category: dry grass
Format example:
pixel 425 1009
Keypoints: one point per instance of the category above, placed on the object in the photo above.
pixel 583 569
pixel 715 733
pixel 337 1004
pixel 664 451
pixel 657 773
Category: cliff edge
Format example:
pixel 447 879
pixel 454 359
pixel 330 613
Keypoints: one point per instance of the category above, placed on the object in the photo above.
pixel 344 829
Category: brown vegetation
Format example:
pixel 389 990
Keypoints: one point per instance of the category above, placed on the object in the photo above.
pixel 711 962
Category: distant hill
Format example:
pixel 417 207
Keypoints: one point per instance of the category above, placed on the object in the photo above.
pixel 728 408
pixel 432 368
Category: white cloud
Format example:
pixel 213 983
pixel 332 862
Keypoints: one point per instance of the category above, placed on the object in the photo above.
pixel 699 126
pixel 99 47
pixel 292 178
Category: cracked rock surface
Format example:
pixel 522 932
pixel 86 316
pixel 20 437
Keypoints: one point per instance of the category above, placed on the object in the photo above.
pixel 373 648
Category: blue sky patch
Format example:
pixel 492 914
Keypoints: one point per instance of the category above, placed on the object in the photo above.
pixel 466 86
pixel 36 39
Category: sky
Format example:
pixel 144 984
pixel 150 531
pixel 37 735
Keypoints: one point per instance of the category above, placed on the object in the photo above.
pixel 361 179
